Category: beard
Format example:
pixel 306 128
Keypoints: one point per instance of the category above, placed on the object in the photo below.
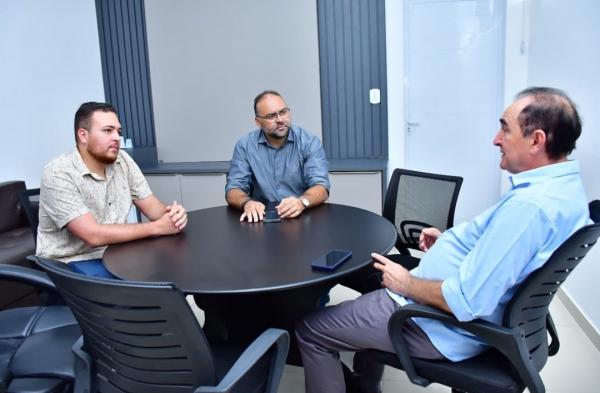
pixel 104 158
pixel 278 134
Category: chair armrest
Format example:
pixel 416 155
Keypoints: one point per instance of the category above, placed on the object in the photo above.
pixel 510 342
pixel 27 276
pixel 269 338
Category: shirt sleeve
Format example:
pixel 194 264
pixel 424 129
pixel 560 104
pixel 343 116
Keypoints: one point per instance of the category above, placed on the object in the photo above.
pixel 240 172
pixel 138 185
pixel 316 169
pixel 513 236
pixel 60 196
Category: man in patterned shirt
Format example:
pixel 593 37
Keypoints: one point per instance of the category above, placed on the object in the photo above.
pixel 86 196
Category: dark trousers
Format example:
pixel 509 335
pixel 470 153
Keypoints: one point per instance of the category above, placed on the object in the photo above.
pixel 352 326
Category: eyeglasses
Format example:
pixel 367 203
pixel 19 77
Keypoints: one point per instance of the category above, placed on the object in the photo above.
pixel 273 116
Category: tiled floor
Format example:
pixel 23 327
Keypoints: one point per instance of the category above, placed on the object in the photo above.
pixel 575 369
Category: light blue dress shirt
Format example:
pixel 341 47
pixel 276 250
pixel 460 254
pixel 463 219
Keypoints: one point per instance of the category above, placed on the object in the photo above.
pixel 269 174
pixel 482 262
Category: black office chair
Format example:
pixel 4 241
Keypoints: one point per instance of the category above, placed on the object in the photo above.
pixel 519 346
pixel 30 202
pixel 418 200
pixel 413 201
pixel 143 337
pixel 36 342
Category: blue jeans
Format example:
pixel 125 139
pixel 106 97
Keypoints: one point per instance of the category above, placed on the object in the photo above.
pixel 91 267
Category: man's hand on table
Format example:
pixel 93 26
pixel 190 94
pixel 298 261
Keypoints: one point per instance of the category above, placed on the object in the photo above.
pixel 254 211
pixel 178 215
pixel 173 221
pixel 290 207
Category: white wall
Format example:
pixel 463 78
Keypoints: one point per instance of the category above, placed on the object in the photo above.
pixel 564 52
pixel 394 34
pixel 50 64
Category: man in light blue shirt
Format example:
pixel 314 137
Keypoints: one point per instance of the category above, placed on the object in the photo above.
pixel 473 269
pixel 277 162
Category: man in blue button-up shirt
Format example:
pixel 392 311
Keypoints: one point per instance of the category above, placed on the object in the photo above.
pixel 471 270
pixel 277 162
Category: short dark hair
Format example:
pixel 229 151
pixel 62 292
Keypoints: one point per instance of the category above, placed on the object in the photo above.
pixel 85 112
pixel 260 97
pixel 552 111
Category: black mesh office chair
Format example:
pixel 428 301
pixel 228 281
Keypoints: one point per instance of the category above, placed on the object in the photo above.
pixel 418 200
pixel 36 342
pixel 143 337
pixel 519 346
pixel 413 201
pixel 30 202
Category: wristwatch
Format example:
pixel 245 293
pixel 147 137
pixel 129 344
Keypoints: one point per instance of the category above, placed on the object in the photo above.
pixel 305 202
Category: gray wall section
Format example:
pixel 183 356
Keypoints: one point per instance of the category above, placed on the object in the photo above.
pixel 352 58
pixel 122 32
pixel 209 59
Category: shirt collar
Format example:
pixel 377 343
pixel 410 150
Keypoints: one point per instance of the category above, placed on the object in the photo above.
pixel 263 139
pixel 544 172
pixel 84 170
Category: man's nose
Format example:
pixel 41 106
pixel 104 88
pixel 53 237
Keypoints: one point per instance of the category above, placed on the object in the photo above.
pixel 497 140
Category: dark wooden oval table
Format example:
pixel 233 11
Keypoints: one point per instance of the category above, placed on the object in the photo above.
pixel 250 276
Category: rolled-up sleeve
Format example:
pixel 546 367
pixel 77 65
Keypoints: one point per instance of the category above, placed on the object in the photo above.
pixel 316 167
pixel 240 172
pixel 516 232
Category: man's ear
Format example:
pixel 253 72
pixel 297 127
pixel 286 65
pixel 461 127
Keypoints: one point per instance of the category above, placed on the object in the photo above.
pixel 82 135
pixel 257 122
pixel 538 141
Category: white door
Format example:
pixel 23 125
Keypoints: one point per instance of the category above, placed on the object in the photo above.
pixel 454 78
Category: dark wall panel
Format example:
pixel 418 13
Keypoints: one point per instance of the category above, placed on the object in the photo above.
pixel 122 31
pixel 352 60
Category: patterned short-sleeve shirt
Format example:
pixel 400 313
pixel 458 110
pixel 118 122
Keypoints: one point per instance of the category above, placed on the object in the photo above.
pixel 69 190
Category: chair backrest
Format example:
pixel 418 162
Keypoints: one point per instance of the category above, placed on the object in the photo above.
pixel 529 306
pixel 11 211
pixel 141 337
pixel 30 202
pixel 417 200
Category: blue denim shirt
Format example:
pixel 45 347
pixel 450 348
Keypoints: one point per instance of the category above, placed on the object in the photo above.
pixel 269 174
pixel 482 262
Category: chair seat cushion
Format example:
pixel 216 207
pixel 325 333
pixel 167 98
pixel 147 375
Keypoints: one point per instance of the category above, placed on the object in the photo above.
pixel 488 372
pixel 35 345
pixel 47 353
pixel 26 321
pixel 7 349
pixel 36 385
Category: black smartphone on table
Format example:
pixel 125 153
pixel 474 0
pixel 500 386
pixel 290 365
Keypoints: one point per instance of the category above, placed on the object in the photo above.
pixel 331 260
pixel 271 214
